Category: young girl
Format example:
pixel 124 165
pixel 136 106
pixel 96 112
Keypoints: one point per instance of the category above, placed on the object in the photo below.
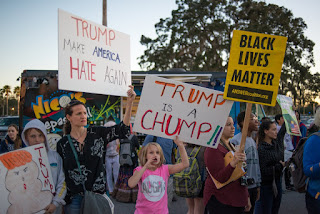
pixel 35 133
pixel 152 177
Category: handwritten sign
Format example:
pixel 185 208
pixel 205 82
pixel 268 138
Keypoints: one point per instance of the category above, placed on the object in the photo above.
pixel 168 108
pixel 26 183
pixel 92 57
pixel 254 67
pixel 289 116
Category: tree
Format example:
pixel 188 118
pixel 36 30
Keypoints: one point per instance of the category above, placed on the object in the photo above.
pixel 7 91
pixel 16 92
pixel 198 36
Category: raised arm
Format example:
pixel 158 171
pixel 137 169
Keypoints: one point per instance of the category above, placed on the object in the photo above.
pixel 131 96
pixel 184 158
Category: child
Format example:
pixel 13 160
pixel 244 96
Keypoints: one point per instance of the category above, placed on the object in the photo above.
pixel 35 133
pixel 152 177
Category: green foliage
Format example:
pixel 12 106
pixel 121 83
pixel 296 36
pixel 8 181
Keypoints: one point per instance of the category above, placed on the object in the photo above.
pixel 198 36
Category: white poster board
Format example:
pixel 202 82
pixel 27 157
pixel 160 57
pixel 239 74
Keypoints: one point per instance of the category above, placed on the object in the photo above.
pixel 26 183
pixel 168 108
pixel 92 57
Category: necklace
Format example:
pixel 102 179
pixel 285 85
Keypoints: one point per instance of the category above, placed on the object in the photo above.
pixel 80 135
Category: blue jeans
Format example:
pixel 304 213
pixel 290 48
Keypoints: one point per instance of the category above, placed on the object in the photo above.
pixel 268 204
pixel 75 206
pixel 312 204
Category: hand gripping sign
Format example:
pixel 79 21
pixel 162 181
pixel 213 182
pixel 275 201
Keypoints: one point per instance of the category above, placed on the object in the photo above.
pixel 168 108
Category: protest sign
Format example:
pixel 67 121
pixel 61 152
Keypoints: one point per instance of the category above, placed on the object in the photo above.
pixel 92 57
pixel 289 115
pixel 168 108
pixel 254 67
pixel 26 183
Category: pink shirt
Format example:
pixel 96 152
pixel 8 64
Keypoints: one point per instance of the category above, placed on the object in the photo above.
pixel 152 195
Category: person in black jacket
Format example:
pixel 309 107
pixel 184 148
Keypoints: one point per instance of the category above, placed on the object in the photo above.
pixel 12 140
pixel 271 160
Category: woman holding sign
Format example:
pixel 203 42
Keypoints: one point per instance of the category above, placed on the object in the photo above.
pixel 233 197
pixel 89 145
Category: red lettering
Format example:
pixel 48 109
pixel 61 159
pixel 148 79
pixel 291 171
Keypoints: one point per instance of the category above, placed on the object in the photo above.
pixel 74 68
pixel 190 100
pixel 164 85
pixel 177 128
pixel 142 119
pixel 221 103
pixel 205 97
pixel 39 150
pixel 161 122
pixel 178 86
pixel 111 37
pixel 194 123
pixel 95 29
pixel 85 28
pixel 204 131
pixel 77 20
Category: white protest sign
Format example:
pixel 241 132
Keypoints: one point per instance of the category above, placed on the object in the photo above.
pixel 168 108
pixel 289 115
pixel 92 57
pixel 26 183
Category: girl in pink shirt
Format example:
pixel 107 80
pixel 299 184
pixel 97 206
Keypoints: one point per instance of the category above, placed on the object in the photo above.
pixel 152 178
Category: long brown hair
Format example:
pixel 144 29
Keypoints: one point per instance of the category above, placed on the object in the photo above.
pixel 17 141
pixel 265 125
pixel 68 111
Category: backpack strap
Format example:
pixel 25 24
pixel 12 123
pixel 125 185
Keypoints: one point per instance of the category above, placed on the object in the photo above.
pixel 76 157
pixel 195 155
pixel 130 137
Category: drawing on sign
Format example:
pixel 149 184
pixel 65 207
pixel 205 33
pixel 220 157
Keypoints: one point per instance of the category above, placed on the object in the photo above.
pixel 22 182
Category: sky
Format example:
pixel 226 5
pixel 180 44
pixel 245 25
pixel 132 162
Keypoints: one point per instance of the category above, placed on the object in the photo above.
pixel 29 28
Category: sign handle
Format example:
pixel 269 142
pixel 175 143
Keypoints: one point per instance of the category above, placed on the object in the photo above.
pixel 245 127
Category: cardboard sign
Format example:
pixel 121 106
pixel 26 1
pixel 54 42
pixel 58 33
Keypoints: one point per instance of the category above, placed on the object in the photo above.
pixel 26 183
pixel 289 115
pixel 92 57
pixel 254 67
pixel 168 108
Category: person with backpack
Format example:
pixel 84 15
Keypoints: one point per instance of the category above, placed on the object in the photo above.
pixel 128 160
pixel 311 168
pixel 271 160
pixel 232 198
pixel 189 183
pixel 112 161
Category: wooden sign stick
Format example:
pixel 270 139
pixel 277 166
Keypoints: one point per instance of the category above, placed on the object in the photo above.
pixel 245 127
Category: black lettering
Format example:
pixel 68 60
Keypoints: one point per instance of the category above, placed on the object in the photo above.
pixel 236 76
pixel 259 59
pixel 262 42
pixel 249 41
pixel 270 43
pixel 270 78
pixel 266 59
pixel 240 58
pixel 253 58
pixel 245 77
pixel 243 40
pixel 263 77
pixel 256 43
pixel 259 73
pixel 252 76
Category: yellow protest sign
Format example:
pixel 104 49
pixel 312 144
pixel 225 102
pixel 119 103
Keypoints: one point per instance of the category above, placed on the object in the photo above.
pixel 254 67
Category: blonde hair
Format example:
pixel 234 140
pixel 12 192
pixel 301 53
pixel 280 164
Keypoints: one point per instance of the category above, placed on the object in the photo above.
pixel 144 151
